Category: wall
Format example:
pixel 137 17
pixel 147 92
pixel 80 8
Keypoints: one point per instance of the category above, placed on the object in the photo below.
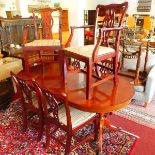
pixel 91 4
pixel 7 5
pixel 76 18
pixel 76 10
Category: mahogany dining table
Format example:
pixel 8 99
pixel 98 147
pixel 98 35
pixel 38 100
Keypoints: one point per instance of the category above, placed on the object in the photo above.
pixel 106 97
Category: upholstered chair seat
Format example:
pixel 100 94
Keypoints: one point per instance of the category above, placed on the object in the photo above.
pixel 77 116
pixel 145 93
pixel 45 42
pixel 139 88
pixel 87 50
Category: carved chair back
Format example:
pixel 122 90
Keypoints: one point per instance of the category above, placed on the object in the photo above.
pixel 57 114
pixel 29 103
pixel 49 17
pixel 109 16
pixel 51 104
pixel 25 91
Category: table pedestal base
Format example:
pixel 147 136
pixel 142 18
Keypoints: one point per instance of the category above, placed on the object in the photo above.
pixel 104 122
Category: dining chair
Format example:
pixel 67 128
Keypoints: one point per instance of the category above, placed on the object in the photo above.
pixel 109 19
pixel 45 47
pixel 59 116
pixel 29 104
pixel 132 51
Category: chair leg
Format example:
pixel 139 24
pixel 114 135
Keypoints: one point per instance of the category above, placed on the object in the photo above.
pixel 24 119
pixel 145 104
pixel 47 135
pixel 96 129
pixel 68 144
pixel 115 70
pixel 40 132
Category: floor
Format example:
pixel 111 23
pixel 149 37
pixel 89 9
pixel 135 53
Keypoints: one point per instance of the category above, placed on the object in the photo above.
pixel 146 143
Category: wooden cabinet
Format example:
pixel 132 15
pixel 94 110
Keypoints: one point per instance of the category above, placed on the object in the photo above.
pixel 11 30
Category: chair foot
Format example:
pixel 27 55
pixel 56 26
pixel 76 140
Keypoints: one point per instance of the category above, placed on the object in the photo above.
pixel 145 104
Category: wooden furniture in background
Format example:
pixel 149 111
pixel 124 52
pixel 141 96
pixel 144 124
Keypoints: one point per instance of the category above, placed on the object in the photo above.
pixel 11 30
pixel 139 68
pixel 149 23
pixel 95 55
pixel 132 51
pixel 105 97
pixel 89 19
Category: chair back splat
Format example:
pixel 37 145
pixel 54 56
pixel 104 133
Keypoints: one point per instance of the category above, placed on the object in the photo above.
pixel 47 23
pixel 61 118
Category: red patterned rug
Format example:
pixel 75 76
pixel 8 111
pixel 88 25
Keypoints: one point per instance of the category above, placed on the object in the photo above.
pixel 137 113
pixel 14 141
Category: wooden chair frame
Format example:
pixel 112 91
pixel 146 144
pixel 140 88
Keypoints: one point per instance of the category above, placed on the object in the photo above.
pixel 106 27
pixel 24 92
pixel 50 98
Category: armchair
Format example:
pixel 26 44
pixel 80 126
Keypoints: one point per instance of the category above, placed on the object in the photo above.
pixel 94 56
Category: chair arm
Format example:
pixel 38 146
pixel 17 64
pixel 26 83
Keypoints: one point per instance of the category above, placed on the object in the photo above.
pixel 84 26
pixel 106 29
pixel 150 85
pixel 72 32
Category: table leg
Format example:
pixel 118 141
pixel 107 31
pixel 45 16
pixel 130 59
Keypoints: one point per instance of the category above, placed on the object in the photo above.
pixel 104 122
pixel 100 132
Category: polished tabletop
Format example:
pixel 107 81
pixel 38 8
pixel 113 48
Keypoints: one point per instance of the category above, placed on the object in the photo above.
pixel 105 97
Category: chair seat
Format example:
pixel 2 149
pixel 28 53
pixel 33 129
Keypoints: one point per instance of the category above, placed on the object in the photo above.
pixel 77 116
pixel 87 50
pixel 44 42
pixel 139 88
